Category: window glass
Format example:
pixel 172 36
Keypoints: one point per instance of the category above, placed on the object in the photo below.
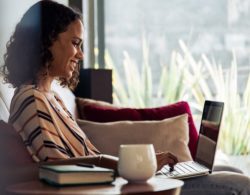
pixel 165 51
pixel 213 28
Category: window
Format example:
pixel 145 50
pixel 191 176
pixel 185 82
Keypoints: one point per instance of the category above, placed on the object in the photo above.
pixel 165 51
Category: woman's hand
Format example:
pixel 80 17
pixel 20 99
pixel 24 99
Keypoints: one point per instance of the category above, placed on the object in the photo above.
pixel 164 158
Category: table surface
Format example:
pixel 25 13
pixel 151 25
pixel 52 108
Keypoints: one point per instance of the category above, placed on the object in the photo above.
pixel 119 186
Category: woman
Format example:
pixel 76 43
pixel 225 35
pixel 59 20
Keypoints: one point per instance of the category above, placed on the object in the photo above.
pixel 46 45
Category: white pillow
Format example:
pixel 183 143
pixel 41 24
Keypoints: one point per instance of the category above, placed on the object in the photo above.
pixel 166 135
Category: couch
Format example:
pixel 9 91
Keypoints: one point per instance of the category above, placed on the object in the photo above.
pixel 15 164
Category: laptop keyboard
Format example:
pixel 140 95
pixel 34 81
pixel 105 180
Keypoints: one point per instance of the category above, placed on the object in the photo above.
pixel 183 169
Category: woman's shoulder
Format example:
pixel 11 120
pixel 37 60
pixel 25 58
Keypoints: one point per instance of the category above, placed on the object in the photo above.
pixel 25 96
pixel 27 92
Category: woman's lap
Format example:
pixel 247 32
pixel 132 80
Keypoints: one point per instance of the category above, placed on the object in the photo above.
pixel 219 182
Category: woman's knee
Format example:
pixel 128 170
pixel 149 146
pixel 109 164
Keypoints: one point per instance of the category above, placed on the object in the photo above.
pixel 227 168
pixel 220 183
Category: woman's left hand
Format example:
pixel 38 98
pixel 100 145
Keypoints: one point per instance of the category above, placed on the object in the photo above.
pixel 164 158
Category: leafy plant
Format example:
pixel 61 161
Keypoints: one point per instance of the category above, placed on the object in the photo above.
pixel 136 89
pixel 172 85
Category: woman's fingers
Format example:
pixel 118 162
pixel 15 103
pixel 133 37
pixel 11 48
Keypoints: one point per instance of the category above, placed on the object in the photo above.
pixel 173 158
pixel 164 158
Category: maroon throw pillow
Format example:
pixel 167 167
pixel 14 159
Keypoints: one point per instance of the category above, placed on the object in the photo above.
pixel 102 113
pixel 12 149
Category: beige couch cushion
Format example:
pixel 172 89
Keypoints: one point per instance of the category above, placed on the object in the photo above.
pixel 167 135
pixel 6 94
pixel 4 112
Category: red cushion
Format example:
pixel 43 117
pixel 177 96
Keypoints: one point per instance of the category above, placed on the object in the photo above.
pixel 12 149
pixel 101 113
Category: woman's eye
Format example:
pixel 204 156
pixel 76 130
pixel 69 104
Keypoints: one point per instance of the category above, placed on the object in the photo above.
pixel 75 44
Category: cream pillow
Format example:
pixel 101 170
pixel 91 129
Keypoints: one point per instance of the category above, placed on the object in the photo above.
pixel 166 135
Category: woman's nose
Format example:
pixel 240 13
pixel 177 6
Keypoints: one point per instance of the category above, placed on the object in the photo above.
pixel 80 54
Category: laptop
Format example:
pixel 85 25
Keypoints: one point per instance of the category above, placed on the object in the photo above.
pixel 206 146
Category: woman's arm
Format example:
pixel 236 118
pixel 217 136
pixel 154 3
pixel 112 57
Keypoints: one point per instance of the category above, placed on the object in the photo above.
pixel 111 162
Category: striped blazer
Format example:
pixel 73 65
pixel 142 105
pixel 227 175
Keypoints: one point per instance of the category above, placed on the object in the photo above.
pixel 47 128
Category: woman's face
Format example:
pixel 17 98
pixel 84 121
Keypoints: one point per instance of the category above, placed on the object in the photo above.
pixel 66 51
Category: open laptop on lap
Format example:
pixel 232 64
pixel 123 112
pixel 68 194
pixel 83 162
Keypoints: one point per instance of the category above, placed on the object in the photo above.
pixel 206 147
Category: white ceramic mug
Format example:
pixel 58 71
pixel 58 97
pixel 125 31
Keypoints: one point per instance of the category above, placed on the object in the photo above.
pixel 137 162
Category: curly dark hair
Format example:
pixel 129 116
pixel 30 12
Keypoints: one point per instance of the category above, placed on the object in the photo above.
pixel 28 48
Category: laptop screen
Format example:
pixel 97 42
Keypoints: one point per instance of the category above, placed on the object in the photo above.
pixel 209 132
